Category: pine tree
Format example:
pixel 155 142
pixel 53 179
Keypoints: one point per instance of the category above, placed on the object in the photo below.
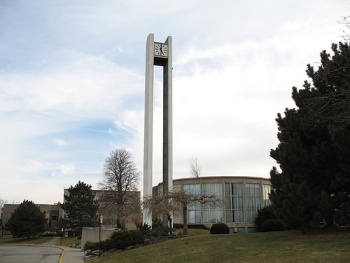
pixel 313 187
pixel 80 208
pixel 27 220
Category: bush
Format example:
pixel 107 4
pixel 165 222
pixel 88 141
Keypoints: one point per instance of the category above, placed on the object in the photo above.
pixel 219 228
pixel 145 229
pixel 264 214
pixel 161 231
pixel 91 246
pixel 49 235
pixel 157 223
pixel 123 239
pixel 157 229
pixel 273 225
pixel 118 240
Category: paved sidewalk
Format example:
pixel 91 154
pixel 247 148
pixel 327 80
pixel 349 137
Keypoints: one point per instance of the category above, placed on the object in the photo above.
pixel 71 255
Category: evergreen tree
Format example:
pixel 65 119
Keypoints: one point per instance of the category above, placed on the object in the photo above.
pixel 80 208
pixel 27 220
pixel 313 188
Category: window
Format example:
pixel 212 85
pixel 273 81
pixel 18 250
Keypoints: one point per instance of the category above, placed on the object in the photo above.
pixel 234 202
pixel 253 201
pixel 193 210
pixel 266 192
pixel 212 214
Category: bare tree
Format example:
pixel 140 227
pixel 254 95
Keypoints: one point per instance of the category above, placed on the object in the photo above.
pixel 2 202
pixel 119 182
pixel 346 23
pixel 195 168
pixel 178 201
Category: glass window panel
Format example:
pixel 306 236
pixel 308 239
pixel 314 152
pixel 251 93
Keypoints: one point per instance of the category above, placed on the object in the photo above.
pixel 234 202
pixel 229 217
pixel 228 189
pixel 198 216
pixel 253 201
pixel 228 204
pixel 266 192
pixel 193 210
pixel 213 213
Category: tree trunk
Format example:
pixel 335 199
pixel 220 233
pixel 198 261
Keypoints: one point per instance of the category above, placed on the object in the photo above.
pixel 185 227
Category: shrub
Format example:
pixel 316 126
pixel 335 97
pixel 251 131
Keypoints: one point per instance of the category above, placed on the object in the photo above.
pixel 60 233
pixel 123 239
pixel 157 229
pixel 118 240
pixel 145 229
pixel 91 246
pixel 219 228
pixel 49 235
pixel 273 225
pixel 157 223
pixel 161 231
pixel 178 225
pixel 264 214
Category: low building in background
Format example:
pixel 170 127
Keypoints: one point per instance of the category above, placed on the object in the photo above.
pixel 242 198
pixel 52 213
pixel 109 209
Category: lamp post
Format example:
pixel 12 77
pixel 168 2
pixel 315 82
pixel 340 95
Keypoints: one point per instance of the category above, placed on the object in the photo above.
pixel 99 235
pixel 61 235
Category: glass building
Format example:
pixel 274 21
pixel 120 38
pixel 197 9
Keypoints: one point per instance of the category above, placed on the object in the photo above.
pixel 242 198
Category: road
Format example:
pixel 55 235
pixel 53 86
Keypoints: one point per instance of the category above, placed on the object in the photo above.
pixel 29 254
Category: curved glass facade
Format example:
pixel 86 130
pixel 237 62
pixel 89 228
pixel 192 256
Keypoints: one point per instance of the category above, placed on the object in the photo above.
pixel 242 198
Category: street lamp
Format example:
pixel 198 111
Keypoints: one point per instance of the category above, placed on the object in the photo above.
pixel 99 235
pixel 61 235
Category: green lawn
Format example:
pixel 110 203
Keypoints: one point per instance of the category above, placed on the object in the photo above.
pixel 286 246
pixel 32 241
pixel 67 241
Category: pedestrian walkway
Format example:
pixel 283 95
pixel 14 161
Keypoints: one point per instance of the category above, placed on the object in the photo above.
pixel 70 255
pixel 52 242
pixel 73 255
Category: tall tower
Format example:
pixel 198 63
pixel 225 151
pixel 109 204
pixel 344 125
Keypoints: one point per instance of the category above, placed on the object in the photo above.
pixel 158 54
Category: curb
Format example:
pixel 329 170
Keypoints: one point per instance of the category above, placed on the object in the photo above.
pixel 62 254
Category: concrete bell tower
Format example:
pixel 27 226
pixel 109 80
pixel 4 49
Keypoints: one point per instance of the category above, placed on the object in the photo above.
pixel 158 54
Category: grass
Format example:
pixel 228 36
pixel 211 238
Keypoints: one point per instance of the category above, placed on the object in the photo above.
pixel 67 241
pixel 25 241
pixel 288 246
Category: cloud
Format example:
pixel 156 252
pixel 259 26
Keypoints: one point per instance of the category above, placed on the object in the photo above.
pixel 72 84
pixel 61 142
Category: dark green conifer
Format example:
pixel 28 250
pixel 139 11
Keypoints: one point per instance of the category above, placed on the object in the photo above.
pixel 313 187
pixel 80 208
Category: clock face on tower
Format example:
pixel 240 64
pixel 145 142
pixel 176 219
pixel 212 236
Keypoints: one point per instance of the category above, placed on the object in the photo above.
pixel 160 50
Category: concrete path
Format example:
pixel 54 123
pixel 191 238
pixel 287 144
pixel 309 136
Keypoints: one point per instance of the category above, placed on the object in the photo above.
pixel 73 255
pixel 70 255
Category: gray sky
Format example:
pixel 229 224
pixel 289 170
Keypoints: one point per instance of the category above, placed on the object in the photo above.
pixel 72 84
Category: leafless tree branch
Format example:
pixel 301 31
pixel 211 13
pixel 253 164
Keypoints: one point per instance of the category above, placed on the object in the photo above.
pixel 195 168
pixel 178 201
pixel 120 180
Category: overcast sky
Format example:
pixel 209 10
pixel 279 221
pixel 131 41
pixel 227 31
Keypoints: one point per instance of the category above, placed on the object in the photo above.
pixel 72 84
